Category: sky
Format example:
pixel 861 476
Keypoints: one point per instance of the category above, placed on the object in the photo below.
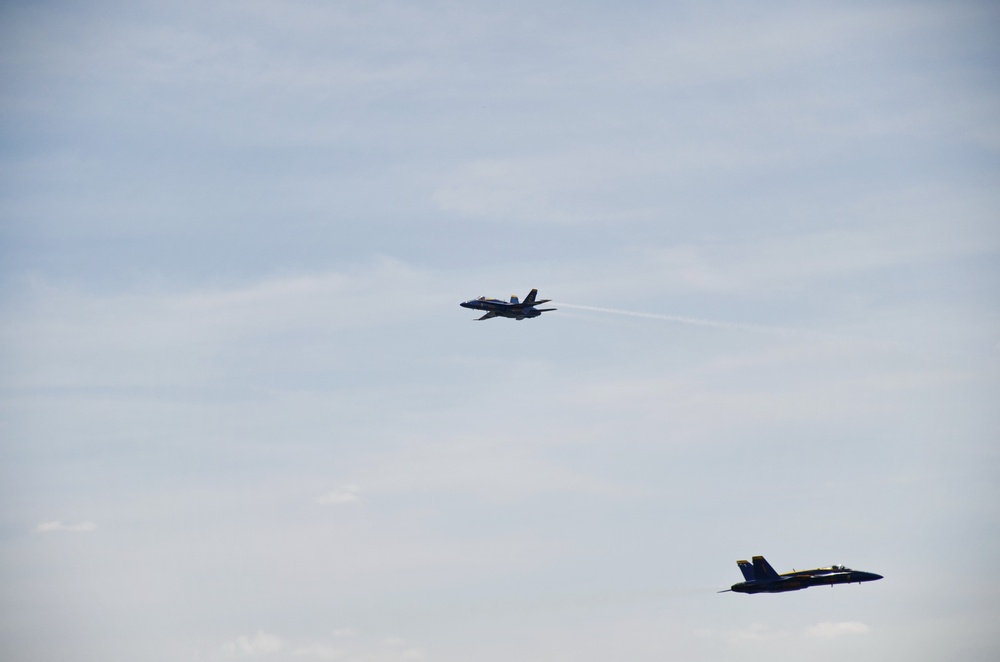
pixel 242 416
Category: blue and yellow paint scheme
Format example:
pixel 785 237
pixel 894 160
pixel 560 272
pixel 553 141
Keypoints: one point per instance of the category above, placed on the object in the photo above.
pixel 761 578
pixel 514 309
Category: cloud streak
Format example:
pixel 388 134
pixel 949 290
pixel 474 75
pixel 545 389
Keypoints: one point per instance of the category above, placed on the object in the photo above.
pixel 57 526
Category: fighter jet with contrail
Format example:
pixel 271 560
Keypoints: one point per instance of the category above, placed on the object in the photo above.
pixel 513 309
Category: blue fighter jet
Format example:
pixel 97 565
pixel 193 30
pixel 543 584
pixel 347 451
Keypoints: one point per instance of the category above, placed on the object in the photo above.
pixel 513 309
pixel 761 577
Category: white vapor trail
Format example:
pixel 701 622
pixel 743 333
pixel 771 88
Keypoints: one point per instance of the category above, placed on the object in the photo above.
pixel 693 321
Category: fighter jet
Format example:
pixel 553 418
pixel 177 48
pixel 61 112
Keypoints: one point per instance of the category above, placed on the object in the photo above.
pixel 761 577
pixel 514 309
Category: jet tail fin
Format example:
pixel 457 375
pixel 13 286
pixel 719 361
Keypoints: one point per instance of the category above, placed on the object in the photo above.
pixel 513 298
pixel 747 568
pixel 530 299
pixel 762 569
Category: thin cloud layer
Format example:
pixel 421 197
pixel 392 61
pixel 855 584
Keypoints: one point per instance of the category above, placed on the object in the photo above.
pixel 234 240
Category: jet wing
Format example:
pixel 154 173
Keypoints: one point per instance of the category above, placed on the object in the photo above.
pixel 486 316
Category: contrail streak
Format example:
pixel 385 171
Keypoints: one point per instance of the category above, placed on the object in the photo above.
pixel 679 319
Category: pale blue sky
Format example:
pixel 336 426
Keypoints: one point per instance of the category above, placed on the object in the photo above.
pixel 243 416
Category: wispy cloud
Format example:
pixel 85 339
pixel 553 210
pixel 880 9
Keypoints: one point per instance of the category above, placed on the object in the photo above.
pixel 399 649
pixel 262 643
pixel 319 652
pixel 266 645
pixel 829 630
pixel 63 336
pixel 798 260
pixel 756 632
pixel 54 526
pixel 339 497
pixel 759 632
pixel 488 467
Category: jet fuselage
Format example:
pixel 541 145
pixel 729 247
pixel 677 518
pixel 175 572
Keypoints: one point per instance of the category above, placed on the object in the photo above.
pixel 501 308
pixel 793 581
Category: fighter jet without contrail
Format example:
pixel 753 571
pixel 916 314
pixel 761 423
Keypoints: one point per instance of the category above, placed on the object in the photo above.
pixel 761 577
pixel 513 309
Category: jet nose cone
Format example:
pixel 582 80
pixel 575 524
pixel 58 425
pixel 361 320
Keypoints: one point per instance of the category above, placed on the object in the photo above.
pixel 869 576
pixel 465 304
